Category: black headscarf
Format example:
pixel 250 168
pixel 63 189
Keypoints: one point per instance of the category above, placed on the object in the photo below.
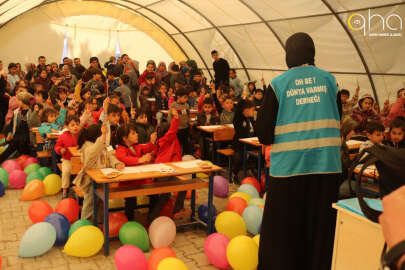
pixel 300 49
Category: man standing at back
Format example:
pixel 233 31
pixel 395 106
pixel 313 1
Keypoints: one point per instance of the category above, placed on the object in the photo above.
pixel 221 69
pixel 300 119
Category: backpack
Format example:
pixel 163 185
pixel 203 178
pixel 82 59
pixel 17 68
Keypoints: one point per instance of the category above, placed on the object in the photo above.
pixel 390 163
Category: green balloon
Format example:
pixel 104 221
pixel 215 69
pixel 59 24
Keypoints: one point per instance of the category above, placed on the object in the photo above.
pixel 31 168
pixel 4 177
pixel 45 171
pixel 79 223
pixel 133 233
pixel 34 176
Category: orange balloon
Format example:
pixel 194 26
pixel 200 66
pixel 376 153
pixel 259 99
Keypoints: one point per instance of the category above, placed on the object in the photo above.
pixel 39 210
pixel 69 208
pixel 158 255
pixel 237 205
pixel 35 189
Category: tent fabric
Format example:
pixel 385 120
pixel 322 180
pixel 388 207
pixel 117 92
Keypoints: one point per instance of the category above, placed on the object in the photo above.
pixel 251 34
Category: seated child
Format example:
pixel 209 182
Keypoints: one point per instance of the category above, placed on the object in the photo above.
pixel 375 134
pixel 364 113
pixel 346 133
pixel 51 122
pixel 143 127
pixel 92 144
pixel 67 139
pixel 258 97
pixel 111 117
pixel 207 117
pixel 397 133
pixel 162 101
pixel 227 113
pixel 131 153
pixel 398 108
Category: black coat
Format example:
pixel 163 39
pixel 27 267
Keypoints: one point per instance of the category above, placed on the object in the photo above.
pixel 221 68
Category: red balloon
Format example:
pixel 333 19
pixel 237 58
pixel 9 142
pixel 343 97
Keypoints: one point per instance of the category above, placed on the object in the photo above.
pixel 29 161
pixel 69 208
pixel 251 181
pixel 116 220
pixel 158 255
pixel 21 159
pixel 167 209
pixel 39 210
pixel 236 204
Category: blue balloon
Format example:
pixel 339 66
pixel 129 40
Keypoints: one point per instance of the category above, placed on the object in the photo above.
pixel 2 189
pixel 253 215
pixel 62 226
pixel 249 189
pixel 37 240
pixel 203 212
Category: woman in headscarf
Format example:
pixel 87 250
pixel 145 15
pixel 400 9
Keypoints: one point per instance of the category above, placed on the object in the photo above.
pixel 300 120
pixel 162 74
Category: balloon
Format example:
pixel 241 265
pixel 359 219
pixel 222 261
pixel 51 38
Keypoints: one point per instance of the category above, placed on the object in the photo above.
pixel 39 210
pixel 37 240
pixel 0 261
pixel 215 250
pixel 84 242
pixel 230 224
pixel 253 216
pixel 159 254
pixel 162 232
pixel 69 208
pixel 256 238
pixel 251 181
pixel 11 165
pixel 29 161
pixel 21 159
pixel 236 205
pixel 62 226
pixel 53 184
pixel 4 177
pixel 242 195
pixel 33 190
pixel 167 209
pixel 129 257
pixel 45 171
pixel 133 233
pixel 221 186
pixel 263 183
pixel 17 179
pixel 78 224
pixel 171 264
pixel 31 168
pixel 116 220
pixel 249 189
pixel 33 176
pixel 242 253
pixel 203 212
pixel 257 201
pixel 2 189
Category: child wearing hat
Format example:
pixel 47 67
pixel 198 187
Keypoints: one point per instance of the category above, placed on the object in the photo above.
pixel 364 113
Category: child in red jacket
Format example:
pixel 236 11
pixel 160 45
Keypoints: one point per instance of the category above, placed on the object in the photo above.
pixel 67 139
pixel 131 154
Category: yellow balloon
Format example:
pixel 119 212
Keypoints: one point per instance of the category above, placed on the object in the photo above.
pixel 256 238
pixel 242 195
pixel 242 253
pixel 171 264
pixel 116 203
pixel 84 242
pixel 231 224
pixel 202 175
pixel 53 184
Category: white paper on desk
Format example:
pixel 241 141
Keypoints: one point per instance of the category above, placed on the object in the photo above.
pixel 251 139
pixel 141 169
pixel 372 169
pixel 353 142
pixel 188 164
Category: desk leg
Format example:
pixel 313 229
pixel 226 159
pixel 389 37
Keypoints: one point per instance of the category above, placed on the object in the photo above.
pixel 106 221
pixel 203 147
pixel 244 160
pixel 193 202
pixel 95 204
pixel 54 159
pixel 259 165
pixel 210 201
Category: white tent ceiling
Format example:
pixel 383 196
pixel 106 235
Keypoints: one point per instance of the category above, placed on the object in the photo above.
pixel 251 34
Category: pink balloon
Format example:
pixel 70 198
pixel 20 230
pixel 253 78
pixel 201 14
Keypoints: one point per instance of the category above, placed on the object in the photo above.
pixel 162 232
pixel 11 165
pixel 221 186
pixel 215 250
pixel 129 257
pixel 17 179
pixel 29 161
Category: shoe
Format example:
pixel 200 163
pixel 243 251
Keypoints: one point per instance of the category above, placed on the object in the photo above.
pixel 235 180
pixel 183 214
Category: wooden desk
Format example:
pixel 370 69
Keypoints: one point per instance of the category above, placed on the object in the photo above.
pixel 99 179
pixel 75 160
pixel 53 135
pixel 253 141
pixel 208 132
pixel 74 151
pixel 213 128
pixel 358 242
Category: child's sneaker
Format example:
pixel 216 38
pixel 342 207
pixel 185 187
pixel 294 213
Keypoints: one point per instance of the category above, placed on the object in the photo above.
pixel 182 215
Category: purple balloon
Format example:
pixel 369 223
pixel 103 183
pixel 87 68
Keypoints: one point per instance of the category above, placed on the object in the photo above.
pixel 62 226
pixel 221 186
pixel 17 179
pixel 11 165
pixel 2 189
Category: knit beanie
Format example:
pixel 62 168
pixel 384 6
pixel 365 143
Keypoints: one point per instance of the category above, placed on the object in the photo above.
pixel 363 97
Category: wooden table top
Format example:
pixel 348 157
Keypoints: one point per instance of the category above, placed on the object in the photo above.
pixel 53 135
pixel 74 151
pixel 100 178
pixel 252 141
pixel 213 128
pixel 370 172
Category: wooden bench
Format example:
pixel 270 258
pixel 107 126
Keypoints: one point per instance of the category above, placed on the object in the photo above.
pixel 44 154
pixel 224 135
